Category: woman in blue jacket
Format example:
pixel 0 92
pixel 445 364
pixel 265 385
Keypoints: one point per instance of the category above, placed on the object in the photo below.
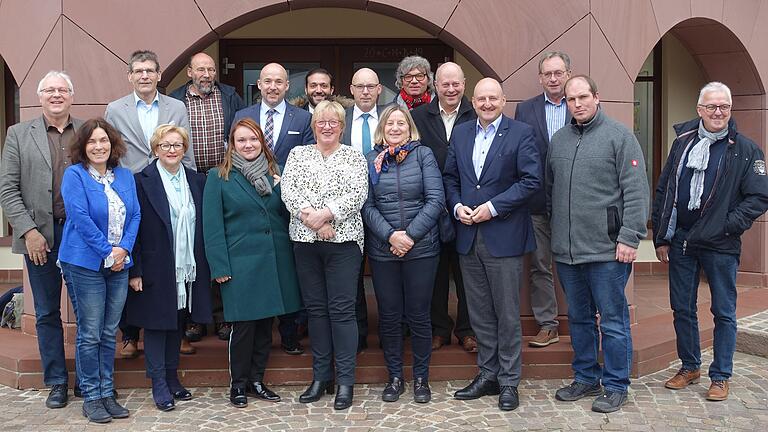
pixel 405 198
pixel 102 221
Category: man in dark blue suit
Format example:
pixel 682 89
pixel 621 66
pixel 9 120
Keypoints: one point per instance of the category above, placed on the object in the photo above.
pixel 285 126
pixel 546 113
pixel 492 170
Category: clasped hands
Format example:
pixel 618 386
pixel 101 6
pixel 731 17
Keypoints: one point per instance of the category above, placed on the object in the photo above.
pixel 400 243
pixel 318 221
pixel 468 216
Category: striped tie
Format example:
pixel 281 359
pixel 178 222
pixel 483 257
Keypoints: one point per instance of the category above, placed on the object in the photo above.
pixel 269 129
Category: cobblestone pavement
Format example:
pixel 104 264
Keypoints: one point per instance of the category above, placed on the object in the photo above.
pixel 651 407
pixel 756 323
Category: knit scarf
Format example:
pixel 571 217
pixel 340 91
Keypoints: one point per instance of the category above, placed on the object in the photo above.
pixel 255 171
pixel 698 158
pixel 390 155
pixel 414 101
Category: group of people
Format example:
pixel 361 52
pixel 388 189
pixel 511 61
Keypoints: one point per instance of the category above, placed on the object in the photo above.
pixel 171 208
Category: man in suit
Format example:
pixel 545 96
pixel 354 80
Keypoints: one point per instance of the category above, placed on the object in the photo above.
pixel 492 170
pixel 435 122
pixel 35 155
pixel 136 116
pixel 284 125
pixel 546 113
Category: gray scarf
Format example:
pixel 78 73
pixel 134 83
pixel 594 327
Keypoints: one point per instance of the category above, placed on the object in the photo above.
pixel 698 158
pixel 255 171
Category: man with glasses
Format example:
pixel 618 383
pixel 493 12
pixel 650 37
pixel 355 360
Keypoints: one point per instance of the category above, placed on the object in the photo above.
pixel 35 155
pixel 136 116
pixel 546 113
pixel 711 190
pixel 414 79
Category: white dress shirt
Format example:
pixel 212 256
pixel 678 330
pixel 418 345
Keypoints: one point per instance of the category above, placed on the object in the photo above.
pixel 449 119
pixel 357 127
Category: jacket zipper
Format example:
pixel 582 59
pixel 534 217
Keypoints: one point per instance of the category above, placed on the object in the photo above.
pixel 400 199
pixel 570 188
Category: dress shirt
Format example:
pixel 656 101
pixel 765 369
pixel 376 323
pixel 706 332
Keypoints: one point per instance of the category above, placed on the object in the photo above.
pixel 357 126
pixel 206 128
pixel 148 114
pixel 310 108
pixel 555 114
pixel 449 119
pixel 277 120
pixel 483 140
pixel 58 144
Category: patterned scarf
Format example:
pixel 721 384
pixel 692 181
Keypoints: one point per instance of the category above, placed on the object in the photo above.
pixel 414 101
pixel 698 159
pixel 390 155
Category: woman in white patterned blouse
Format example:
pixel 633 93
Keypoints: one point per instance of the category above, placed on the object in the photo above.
pixel 324 188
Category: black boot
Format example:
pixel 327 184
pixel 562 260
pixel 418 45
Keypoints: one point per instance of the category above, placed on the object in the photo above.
pixel 421 391
pixel 315 391
pixel 392 391
pixel 344 394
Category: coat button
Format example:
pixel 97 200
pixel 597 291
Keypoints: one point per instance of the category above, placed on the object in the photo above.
pixel 477 187
pixel 266 232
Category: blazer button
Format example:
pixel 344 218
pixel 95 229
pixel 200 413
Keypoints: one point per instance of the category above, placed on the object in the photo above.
pixel 477 187
pixel 266 232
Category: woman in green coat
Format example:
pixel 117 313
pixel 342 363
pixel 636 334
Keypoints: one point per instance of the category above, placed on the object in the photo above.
pixel 245 226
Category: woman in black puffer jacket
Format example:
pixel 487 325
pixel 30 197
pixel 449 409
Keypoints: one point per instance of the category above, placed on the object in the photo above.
pixel 405 199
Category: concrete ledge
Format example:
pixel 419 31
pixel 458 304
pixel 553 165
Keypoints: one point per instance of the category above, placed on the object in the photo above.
pixel 752 342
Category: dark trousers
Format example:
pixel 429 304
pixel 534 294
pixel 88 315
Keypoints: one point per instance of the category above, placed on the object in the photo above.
pixel 442 323
pixel 361 304
pixel 328 274
pixel 405 288
pixel 45 281
pixel 287 326
pixel 249 345
pixel 161 349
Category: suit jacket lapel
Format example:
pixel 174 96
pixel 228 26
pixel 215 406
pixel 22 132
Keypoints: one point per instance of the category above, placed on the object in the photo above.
pixel 437 125
pixel 40 137
pixel 496 145
pixel 133 120
pixel 464 155
pixel 287 121
pixel 156 195
pixel 541 119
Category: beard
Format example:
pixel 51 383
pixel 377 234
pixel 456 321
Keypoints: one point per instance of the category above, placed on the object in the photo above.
pixel 204 88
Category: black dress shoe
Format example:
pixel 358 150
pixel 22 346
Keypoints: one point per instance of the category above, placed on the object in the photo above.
pixel 421 391
pixel 344 394
pixel 237 397
pixel 184 395
pixel 57 398
pixel 194 332
pixel 392 391
pixel 292 348
pixel 165 406
pixel 315 391
pixel 261 391
pixel 115 409
pixel 479 387
pixel 95 411
pixel 508 398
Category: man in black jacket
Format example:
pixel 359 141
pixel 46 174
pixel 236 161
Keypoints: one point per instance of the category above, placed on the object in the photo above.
pixel 712 188
pixel 435 122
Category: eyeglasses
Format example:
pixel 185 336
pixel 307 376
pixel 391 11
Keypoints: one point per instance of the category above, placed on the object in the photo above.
pixel 361 87
pixel 324 123
pixel 140 72
pixel 711 108
pixel 557 74
pixel 50 91
pixel 166 146
pixel 418 77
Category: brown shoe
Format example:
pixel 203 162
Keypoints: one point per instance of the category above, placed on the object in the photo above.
pixel 437 342
pixel 718 391
pixel 469 343
pixel 186 347
pixel 544 338
pixel 683 378
pixel 130 349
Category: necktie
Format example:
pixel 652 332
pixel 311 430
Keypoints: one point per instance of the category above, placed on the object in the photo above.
pixel 366 134
pixel 269 129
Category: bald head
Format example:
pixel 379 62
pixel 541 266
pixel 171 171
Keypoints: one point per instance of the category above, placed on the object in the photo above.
pixel 365 89
pixel 488 100
pixel 202 71
pixel 450 84
pixel 273 84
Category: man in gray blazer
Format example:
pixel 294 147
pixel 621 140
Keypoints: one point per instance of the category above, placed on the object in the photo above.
pixel 138 114
pixel 35 156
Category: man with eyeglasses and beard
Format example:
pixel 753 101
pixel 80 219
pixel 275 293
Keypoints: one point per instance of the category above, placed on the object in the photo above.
pixel 414 79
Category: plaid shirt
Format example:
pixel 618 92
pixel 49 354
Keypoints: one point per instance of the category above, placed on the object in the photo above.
pixel 206 128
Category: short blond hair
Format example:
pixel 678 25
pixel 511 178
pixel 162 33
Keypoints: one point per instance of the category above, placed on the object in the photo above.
pixel 378 136
pixel 165 129
pixel 329 106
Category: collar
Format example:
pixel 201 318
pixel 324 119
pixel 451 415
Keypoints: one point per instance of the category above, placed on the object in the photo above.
pixel 495 125
pixel 279 109
pixel 66 125
pixel 137 99
pixel 357 112
pixel 559 104
pixel 455 112
pixel 191 93
pixel 167 174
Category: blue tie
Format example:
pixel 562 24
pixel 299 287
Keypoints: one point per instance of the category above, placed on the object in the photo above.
pixel 366 134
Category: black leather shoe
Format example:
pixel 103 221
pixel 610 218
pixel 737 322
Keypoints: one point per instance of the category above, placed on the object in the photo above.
pixel 115 409
pixel 508 398
pixel 344 394
pixel 261 391
pixel 315 391
pixel 292 348
pixel 184 395
pixel 478 388
pixel 95 411
pixel 421 391
pixel 392 391
pixel 237 398
pixel 195 332
pixel 57 398
pixel 165 406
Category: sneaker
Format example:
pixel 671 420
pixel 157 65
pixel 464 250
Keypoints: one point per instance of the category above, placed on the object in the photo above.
pixel 95 411
pixel 113 408
pixel 57 398
pixel 576 390
pixel 609 402
pixel 718 390
pixel 683 378
pixel 392 391
pixel 544 338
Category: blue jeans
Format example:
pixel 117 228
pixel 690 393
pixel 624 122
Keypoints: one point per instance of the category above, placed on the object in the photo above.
pixel 45 282
pixel 684 273
pixel 100 297
pixel 590 288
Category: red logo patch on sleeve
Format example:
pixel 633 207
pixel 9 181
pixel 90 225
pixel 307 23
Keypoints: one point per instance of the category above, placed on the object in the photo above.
pixel 634 162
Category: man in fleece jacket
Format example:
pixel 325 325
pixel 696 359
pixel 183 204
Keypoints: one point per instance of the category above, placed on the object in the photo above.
pixel 597 196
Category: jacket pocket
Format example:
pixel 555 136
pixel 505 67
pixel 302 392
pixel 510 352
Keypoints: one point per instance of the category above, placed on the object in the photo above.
pixel 614 222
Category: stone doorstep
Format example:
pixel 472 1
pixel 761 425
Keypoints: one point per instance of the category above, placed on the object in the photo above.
pixel 752 334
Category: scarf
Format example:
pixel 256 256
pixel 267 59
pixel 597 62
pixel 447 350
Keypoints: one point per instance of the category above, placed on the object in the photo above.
pixel 414 101
pixel 183 211
pixel 255 172
pixel 115 205
pixel 698 158
pixel 390 155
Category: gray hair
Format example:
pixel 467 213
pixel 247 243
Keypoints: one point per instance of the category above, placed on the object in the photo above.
pixel 552 54
pixel 58 74
pixel 715 86
pixel 142 56
pixel 419 63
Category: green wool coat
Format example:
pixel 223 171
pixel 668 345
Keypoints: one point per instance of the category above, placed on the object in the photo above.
pixel 246 237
